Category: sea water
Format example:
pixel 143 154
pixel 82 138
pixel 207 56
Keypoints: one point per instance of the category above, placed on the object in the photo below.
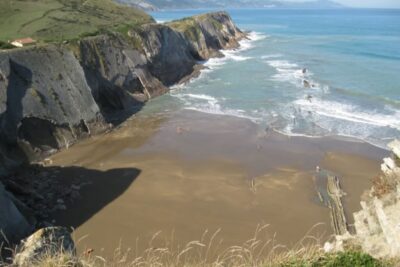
pixel 349 58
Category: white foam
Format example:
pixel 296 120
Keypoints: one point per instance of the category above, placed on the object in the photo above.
pixel 210 105
pixel 214 63
pixel 282 65
pixel 202 96
pixel 349 113
pixel 252 38
pixel 233 55
pixel 257 36
pixel 271 56
pixel 292 73
pixel 229 55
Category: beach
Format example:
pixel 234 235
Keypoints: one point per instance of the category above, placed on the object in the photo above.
pixel 184 173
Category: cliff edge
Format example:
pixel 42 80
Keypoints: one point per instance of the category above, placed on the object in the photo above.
pixel 377 224
pixel 53 95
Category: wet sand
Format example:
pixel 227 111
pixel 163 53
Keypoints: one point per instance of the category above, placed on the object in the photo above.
pixel 183 173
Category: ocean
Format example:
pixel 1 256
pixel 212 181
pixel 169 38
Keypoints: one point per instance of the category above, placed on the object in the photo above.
pixel 303 72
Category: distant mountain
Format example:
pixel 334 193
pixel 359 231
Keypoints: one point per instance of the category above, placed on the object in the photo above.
pixel 184 4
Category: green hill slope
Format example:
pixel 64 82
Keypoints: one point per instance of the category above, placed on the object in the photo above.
pixel 56 20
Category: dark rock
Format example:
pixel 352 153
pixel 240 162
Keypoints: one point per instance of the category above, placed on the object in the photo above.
pixel 53 96
pixel 13 224
pixel 38 113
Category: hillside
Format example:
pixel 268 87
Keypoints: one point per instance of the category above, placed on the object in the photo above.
pixel 182 4
pixel 55 20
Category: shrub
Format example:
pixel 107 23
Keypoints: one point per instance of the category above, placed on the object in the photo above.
pixel 5 45
pixel 349 259
pixel 382 186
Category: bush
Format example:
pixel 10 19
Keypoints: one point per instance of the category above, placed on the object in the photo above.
pixel 5 45
pixel 349 259
pixel 382 186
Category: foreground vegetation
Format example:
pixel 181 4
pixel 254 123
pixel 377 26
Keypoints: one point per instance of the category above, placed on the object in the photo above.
pixel 206 252
pixel 160 257
pixel 58 20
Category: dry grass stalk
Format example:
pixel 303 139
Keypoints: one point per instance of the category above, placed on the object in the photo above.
pixel 260 250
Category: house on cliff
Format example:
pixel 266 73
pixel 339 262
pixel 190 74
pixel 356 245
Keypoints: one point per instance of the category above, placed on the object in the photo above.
pixel 23 42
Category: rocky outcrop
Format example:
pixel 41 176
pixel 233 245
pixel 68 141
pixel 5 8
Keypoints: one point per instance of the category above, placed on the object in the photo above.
pixel 13 224
pixel 174 49
pixel 52 96
pixel 44 243
pixel 46 103
pixel 117 73
pixel 377 225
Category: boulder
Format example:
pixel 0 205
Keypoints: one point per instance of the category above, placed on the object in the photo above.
pixel 45 242
pixel 13 225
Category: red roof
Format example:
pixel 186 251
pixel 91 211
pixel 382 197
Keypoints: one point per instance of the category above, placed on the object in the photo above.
pixel 25 40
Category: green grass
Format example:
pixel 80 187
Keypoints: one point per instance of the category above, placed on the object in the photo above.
pixel 341 259
pixel 188 26
pixel 57 20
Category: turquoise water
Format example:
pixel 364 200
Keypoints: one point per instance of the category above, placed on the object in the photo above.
pixel 352 62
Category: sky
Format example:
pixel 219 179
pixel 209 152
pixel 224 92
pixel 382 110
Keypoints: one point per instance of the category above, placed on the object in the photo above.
pixel 371 3
pixel 367 3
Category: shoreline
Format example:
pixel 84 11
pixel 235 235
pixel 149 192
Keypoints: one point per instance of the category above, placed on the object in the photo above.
pixel 182 148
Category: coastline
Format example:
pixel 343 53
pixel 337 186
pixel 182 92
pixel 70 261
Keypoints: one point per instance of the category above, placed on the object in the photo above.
pixel 187 172
pixel 125 176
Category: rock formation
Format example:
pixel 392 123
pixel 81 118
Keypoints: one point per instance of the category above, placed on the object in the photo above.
pixel 13 224
pixel 46 242
pixel 52 96
pixel 377 225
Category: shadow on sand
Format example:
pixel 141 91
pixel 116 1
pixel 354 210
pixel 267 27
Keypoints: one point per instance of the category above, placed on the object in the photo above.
pixel 98 189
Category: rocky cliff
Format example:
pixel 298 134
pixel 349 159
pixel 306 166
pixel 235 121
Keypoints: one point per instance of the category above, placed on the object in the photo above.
pixel 54 95
pixel 377 224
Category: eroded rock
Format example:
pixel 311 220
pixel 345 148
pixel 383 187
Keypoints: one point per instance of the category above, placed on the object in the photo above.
pixel 45 242
pixel 13 225
pixel 377 224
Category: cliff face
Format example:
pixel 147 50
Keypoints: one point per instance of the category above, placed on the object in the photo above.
pixel 174 49
pixel 45 102
pixel 52 96
pixel 377 225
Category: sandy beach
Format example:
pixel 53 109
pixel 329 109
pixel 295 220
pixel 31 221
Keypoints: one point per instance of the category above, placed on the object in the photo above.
pixel 187 172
